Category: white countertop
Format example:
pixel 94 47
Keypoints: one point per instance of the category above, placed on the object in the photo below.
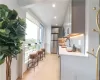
pixel 63 51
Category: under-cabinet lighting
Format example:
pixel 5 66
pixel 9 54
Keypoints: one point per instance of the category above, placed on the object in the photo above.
pixel 76 36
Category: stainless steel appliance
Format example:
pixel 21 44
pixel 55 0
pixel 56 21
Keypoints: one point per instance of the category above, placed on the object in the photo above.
pixel 54 40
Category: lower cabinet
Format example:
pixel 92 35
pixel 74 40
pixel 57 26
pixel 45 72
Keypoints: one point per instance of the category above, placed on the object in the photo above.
pixel 76 68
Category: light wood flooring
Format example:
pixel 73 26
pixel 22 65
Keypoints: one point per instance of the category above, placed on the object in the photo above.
pixel 48 69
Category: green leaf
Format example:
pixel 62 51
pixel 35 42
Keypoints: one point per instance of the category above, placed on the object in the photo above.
pixel 4 32
pixel 4 24
pixel 1 24
pixel 6 14
pixel 21 21
pixel 12 15
pixel 7 31
pixel 3 48
pixel 12 31
pixel 1 56
pixel 12 36
pixel 3 11
pixel 2 61
pixel 2 6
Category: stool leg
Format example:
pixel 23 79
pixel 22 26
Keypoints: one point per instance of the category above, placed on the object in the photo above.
pixel 44 53
pixel 28 64
pixel 37 60
pixel 34 64
pixel 42 56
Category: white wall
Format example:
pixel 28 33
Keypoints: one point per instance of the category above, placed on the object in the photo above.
pixel 92 37
pixel 83 68
pixel 12 4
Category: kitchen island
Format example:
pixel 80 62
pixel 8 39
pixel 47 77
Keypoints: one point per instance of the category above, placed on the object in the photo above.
pixel 75 66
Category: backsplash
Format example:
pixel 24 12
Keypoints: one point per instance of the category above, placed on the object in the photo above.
pixel 78 42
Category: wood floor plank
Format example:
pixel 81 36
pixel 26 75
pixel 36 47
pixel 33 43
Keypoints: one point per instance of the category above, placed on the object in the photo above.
pixel 48 69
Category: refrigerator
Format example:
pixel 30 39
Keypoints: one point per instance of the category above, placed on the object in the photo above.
pixel 54 40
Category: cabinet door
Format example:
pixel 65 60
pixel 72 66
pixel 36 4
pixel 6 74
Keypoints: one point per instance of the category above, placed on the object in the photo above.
pixel 67 30
pixel 54 47
pixel 68 20
pixel 54 36
pixel 78 16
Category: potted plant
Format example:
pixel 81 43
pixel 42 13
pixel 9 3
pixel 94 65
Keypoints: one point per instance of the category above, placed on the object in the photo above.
pixel 12 34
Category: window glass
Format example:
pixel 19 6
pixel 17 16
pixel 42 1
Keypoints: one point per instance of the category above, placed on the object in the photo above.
pixel 30 38
pixel 33 39
pixel 41 36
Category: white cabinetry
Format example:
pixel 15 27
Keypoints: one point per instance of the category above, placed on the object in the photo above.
pixel 75 17
pixel 68 19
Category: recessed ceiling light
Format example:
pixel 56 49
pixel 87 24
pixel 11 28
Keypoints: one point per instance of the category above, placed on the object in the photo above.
pixel 53 5
pixel 55 17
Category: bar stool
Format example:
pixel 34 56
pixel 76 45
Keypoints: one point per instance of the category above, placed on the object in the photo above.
pixel 32 60
pixel 40 55
pixel 43 51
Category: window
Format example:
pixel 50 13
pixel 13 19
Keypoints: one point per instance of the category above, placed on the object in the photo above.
pixel 31 38
pixel 41 37
pixel 34 37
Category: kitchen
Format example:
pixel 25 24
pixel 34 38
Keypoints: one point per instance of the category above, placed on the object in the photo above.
pixel 73 39
pixel 72 46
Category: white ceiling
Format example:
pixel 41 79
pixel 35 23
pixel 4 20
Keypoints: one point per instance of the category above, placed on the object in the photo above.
pixel 45 12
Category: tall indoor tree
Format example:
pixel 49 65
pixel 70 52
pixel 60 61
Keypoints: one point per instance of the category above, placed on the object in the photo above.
pixel 12 35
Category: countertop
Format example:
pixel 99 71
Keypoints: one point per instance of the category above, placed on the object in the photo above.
pixel 63 51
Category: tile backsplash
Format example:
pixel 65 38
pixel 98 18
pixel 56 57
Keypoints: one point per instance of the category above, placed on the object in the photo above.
pixel 79 43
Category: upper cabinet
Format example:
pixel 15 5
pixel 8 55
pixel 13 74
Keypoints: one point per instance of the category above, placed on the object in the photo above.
pixel 75 17
pixel 78 16
pixel 68 19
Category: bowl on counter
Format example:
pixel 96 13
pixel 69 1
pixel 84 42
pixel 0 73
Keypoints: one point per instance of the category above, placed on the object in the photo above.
pixel 69 49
